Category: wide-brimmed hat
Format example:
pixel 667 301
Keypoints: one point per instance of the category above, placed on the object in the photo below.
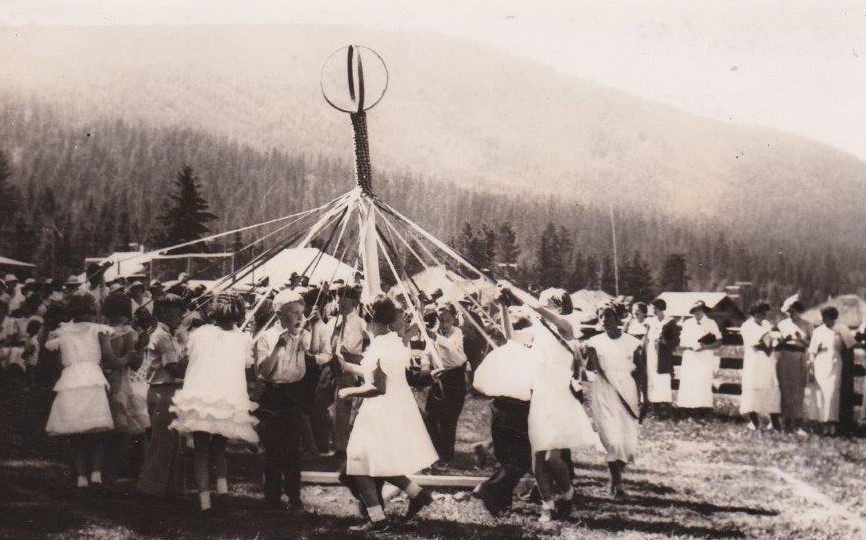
pixel 699 305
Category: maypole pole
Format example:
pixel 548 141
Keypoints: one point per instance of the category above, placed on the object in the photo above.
pixel 346 88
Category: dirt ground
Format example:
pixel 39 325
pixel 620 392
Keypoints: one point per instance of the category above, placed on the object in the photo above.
pixel 709 478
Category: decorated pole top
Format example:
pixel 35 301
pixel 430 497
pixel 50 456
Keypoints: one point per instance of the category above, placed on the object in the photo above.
pixel 354 80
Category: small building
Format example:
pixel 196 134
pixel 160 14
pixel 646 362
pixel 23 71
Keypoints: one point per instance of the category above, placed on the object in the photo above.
pixel 723 309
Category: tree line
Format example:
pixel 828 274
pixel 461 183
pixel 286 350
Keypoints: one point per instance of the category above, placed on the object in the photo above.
pixel 68 192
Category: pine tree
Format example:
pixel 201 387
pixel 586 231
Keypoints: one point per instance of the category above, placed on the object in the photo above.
pixel 673 276
pixel 10 201
pixel 186 213
pixel 507 250
pixel 608 277
pixel 637 279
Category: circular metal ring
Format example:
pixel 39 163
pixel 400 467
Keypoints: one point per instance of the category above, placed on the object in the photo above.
pixel 355 49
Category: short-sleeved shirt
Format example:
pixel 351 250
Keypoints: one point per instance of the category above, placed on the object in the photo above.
pixel 291 364
pixel 163 349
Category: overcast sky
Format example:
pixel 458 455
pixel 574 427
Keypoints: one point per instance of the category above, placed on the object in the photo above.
pixel 795 65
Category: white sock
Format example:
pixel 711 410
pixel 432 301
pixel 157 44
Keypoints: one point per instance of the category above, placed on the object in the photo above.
pixel 96 477
pixel 204 498
pixel 568 495
pixel 222 486
pixel 376 513
pixel 413 490
pixel 82 481
pixel 547 505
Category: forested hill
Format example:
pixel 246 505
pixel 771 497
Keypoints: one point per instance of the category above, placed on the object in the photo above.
pixel 454 111
pixel 104 182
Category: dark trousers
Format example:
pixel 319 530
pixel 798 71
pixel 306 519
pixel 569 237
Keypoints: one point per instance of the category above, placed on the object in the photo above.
pixel 509 430
pixel 320 417
pixel 281 432
pixel 444 405
pixel 162 472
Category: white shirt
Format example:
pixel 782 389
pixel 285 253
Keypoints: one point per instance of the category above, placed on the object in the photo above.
pixel 694 330
pixel 291 365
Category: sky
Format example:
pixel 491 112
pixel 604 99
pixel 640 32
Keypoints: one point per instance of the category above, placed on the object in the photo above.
pixel 795 65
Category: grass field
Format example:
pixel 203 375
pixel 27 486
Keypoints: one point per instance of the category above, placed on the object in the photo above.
pixel 693 479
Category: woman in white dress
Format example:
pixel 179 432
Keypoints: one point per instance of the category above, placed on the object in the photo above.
pixel 213 405
pixel 699 337
pixel 760 395
pixel 618 394
pixel 557 421
pixel 825 353
pixel 389 440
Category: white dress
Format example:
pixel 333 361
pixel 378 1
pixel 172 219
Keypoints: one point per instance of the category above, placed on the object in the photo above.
pixel 557 420
pixel 826 346
pixel 658 384
pixel 698 367
pixel 760 385
pixel 617 427
pixel 214 396
pixel 81 404
pixel 389 437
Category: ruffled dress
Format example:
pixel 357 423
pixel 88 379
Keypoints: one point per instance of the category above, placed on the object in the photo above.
pixel 389 437
pixel 557 420
pixel 214 396
pixel 81 404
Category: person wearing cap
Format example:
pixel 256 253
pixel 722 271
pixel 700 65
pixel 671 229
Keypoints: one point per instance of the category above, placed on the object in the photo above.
pixel 445 399
pixel 760 387
pixel 349 340
pixel 13 288
pixel 662 338
pixel 283 358
pixel 618 394
pixel 792 364
pixel 827 350
pixel 164 365
pixel 699 337
pixel 139 296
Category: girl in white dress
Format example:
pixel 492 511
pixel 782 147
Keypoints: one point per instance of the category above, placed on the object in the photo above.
pixel 389 440
pixel 81 408
pixel 661 339
pixel 760 385
pixel 557 420
pixel 637 325
pixel 699 336
pixel 618 394
pixel 213 404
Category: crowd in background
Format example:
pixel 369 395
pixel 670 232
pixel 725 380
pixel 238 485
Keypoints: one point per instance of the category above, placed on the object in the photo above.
pixel 142 370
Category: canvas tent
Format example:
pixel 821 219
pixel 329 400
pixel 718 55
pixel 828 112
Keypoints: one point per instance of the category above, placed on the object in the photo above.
pixel 454 287
pixel 588 301
pixel 280 267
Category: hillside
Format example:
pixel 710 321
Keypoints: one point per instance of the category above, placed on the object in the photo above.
pixel 454 112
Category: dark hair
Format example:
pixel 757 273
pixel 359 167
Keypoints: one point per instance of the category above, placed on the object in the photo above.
pixel 830 313
pixel 166 303
pixel 609 309
pixel 641 306
pixel 227 308
pixel 760 306
pixel 797 306
pixel 383 310
pixel 660 304
pixel 116 305
pixel 81 305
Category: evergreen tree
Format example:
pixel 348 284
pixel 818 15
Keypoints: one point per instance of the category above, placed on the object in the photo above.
pixel 549 266
pixel 673 276
pixel 592 273
pixel 608 277
pixel 10 204
pixel 507 250
pixel 636 278
pixel 186 213
pixel 579 278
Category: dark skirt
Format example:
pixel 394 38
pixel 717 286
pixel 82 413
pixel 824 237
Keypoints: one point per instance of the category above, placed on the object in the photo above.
pixel 792 371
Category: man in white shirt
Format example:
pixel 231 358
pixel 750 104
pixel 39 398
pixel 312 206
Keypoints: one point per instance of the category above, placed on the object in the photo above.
pixel 282 358
pixel 349 340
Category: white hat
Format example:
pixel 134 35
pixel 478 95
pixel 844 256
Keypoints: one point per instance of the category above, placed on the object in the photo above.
pixel 10 277
pixel 786 305
pixel 74 280
pixel 286 296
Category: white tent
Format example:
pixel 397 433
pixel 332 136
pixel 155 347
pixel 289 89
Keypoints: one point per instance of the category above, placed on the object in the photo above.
pixel 453 286
pixel 588 301
pixel 280 267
